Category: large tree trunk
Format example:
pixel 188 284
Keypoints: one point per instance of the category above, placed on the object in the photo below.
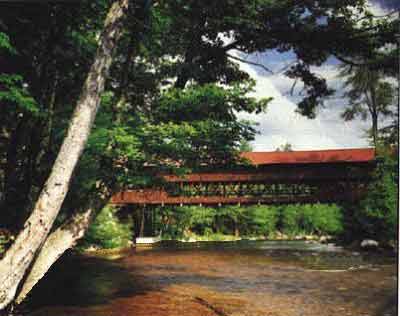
pixel 20 256
pixel 59 241
pixel 62 239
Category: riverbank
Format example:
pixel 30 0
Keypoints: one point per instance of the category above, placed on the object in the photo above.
pixel 273 236
pixel 194 238
pixel 314 243
pixel 355 245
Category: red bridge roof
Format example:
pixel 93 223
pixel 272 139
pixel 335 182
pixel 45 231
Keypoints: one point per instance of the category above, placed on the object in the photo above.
pixel 312 156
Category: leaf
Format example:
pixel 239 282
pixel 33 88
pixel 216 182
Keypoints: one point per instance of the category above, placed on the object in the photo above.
pixel 5 43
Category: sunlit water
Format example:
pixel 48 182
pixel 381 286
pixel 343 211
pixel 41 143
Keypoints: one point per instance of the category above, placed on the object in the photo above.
pixel 226 278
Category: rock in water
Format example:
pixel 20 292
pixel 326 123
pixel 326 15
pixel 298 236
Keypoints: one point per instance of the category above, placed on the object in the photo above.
pixel 323 239
pixel 369 243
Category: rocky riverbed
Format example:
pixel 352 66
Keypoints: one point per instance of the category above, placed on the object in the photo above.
pixel 232 278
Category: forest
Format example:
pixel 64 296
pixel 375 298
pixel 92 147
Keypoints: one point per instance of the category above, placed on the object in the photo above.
pixel 92 91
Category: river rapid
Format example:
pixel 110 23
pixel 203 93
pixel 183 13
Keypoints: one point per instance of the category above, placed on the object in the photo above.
pixel 254 278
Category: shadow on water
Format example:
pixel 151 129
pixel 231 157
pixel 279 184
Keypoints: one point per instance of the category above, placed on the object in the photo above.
pixel 77 280
pixel 389 307
pixel 82 281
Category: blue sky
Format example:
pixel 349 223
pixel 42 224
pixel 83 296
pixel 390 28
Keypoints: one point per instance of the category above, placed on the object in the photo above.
pixel 388 4
pixel 281 124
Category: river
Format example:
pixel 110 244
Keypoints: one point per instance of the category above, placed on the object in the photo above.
pixel 254 278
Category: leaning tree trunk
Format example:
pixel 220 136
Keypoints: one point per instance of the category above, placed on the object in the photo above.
pixel 21 254
pixel 55 245
pixel 59 241
pixel 67 235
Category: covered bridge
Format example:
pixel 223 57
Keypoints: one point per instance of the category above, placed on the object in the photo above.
pixel 269 177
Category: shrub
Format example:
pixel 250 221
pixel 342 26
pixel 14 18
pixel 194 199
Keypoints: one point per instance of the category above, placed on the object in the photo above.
pixel 171 221
pixel 201 219
pixel 107 231
pixel 322 219
pixel 234 219
pixel 256 220
pixel 291 219
pixel 262 219
pixel 312 219
pixel 378 212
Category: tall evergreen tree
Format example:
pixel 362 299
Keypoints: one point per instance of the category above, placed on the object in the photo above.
pixel 370 96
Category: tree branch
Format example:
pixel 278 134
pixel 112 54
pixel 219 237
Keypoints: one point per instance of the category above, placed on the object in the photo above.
pixel 251 63
pixel 378 16
pixel 231 46
pixel 286 67
pixel 352 63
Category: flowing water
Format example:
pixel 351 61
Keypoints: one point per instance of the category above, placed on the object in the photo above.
pixel 226 278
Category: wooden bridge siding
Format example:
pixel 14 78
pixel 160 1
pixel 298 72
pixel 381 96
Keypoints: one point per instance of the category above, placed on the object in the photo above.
pixel 283 174
pixel 160 197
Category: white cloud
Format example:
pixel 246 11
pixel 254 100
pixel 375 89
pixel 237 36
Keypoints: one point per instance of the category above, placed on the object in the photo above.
pixel 281 124
pixel 376 8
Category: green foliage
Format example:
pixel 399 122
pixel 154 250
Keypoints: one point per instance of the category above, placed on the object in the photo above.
pixel 285 147
pixel 12 89
pixel 234 218
pixel 245 146
pixel 291 219
pixel 216 237
pixel 177 222
pixel 201 219
pixel 172 222
pixel 5 43
pixel 312 219
pixel 250 221
pixel 14 93
pixel 199 124
pixel 107 231
pixel 322 219
pixel 209 101
pixel 378 212
pixel 256 220
pixel 370 96
pixel 263 220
